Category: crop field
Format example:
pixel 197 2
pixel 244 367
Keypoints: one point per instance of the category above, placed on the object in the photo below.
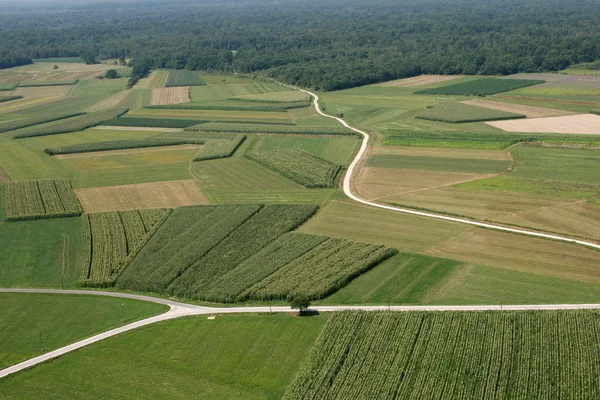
pixel 150 122
pixel 8 86
pixel 249 116
pixel 420 80
pixel 209 93
pixel 236 105
pixel 300 166
pixel 457 113
pixel 149 361
pixel 120 145
pixel 575 124
pixel 61 320
pixel 112 239
pixel 516 355
pixel 481 87
pixel 269 129
pixel 185 262
pixel 274 97
pixel 182 77
pixel 528 111
pixel 49 83
pixel 215 149
pixel 445 164
pixel 9 98
pixel 74 124
pixel 176 95
pixel 25 200
pixel 141 196
pixel 25 122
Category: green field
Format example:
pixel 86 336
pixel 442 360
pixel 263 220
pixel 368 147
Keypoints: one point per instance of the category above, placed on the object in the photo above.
pixel 481 87
pixel 180 359
pixel 456 113
pixel 479 166
pixel 183 78
pixel 30 321
pixel 516 355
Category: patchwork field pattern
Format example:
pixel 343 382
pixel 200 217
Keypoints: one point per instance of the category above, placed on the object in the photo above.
pixel 183 77
pixel 111 240
pixel 577 124
pixel 456 113
pixel 171 194
pixel 492 355
pixel 120 145
pixel 300 166
pixel 528 111
pixel 479 87
pixel 176 95
pixel 25 122
pixel 420 80
pixel 219 148
pixel 25 200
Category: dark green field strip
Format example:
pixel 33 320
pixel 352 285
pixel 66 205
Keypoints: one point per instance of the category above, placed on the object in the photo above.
pixel 219 148
pixel 235 106
pixel 48 83
pixel 595 112
pixel 120 145
pixel 438 164
pixel 481 140
pixel 25 122
pixel 152 122
pixel 9 98
pixel 264 128
pixel 300 166
pixel 453 355
pixel 74 124
pixel 112 239
pixel 479 87
pixel 456 113
pixel 7 87
pixel 183 78
pixel 29 200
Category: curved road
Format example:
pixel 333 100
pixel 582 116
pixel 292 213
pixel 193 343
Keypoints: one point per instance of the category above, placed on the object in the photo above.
pixel 361 152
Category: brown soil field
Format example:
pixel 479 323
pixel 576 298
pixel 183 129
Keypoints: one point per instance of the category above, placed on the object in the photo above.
pixel 383 183
pixel 420 80
pixel 165 96
pixel 582 124
pixel 141 196
pixel 128 151
pixel 529 111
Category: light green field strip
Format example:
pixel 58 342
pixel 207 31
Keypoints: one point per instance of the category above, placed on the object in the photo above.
pixel 480 166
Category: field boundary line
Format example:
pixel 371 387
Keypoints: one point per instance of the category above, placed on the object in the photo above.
pixel 348 191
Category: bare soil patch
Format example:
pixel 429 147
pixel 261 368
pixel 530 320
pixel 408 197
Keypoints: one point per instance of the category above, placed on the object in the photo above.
pixel 420 80
pixel 141 196
pixel 174 95
pixel 128 151
pixel 576 124
pixel 529 111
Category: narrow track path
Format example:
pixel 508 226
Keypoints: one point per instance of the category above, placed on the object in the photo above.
pixel 361 152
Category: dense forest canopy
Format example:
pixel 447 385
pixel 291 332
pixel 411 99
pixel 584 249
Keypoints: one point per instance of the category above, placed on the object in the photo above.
pixel 326 45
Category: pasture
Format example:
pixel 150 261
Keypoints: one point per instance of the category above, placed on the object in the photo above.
pixel 456 113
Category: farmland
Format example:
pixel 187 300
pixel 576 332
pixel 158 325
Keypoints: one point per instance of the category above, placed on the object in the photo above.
pixel 120 145
pixel 150 122
pixel 48 83
pixel 276 129
pixel 300 166
pixel 183 78
pixel 24 200
pixel 479 87
pixel 572 124
pixel 112 239
pixel 219 148
pixel 25 122
pixel 451 355
pixel 163 96
pixel 456 113
pixel 9 98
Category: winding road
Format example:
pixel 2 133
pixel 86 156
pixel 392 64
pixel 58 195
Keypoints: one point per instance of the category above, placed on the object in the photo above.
pixel 178 309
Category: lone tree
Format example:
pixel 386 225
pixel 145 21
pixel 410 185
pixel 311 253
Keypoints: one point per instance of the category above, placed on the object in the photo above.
pixel 300 303
pixel 111 74
pixel 55 67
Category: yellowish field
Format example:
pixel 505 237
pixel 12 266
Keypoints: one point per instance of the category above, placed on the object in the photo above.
pixel 42 91
pixel 420 80
pixel 110 102
pixel 141 196
pixel 583 124
pixel 173 95
pixel 21 104
pixel 156 79
pixel 44 71
pixel 529 111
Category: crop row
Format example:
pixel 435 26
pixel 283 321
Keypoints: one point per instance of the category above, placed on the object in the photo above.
pixel 241 106
pixel 120 145
pixel 197 245
pixel 9 98
pixel 111 240
pixel 26 200
pixel 482 140
pixel 276 129
pixel 151 122
pixel 49 83
pixel 25 122
pixel 456 113
pixel 75 124
pixel 183 77
pixel 219 148
pixel 300 166
pixel 481 87
pixel 453 355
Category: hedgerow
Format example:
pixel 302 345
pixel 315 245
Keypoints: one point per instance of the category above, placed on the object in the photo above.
pixel 219 148
pixel 120 145
pixel 9 98
pixel 28 200
pixel 49 83
pixel 8 86
pixel 300 166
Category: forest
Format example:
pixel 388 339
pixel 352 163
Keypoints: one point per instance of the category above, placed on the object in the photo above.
pixel 324 45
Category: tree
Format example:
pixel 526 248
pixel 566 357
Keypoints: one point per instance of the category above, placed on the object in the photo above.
pixel 55 67
pixel 111 74
pixel 300 303
pixel 122 60
pixel 89 57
